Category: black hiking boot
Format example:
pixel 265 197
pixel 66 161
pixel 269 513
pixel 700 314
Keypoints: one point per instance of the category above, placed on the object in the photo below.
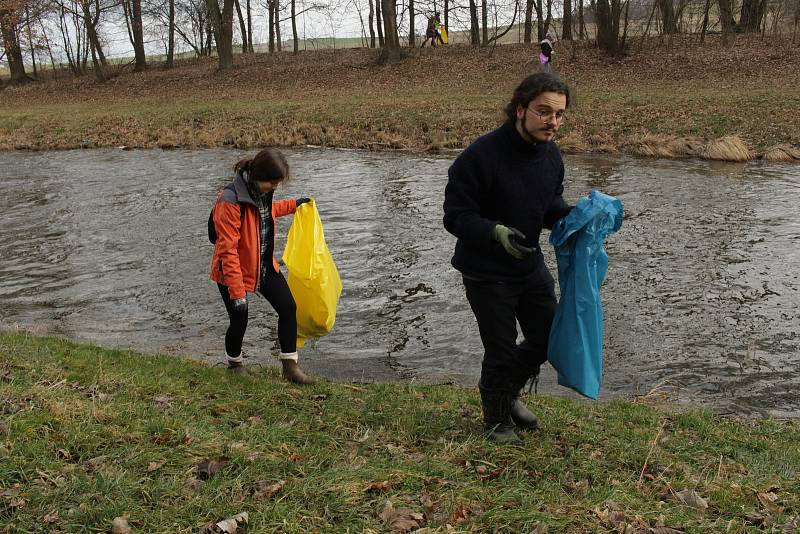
pixel 497 422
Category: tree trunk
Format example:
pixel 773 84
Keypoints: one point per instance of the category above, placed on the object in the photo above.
pixel 411 37
pixel 379 23
pixel 222 25
pixel 8 27
pixel 295 40
pixel 171 37
pixel 705 22
pixel 31 44
pixel 271 23
pixel 537 5
pixel 278 40
pixel 250 27
pixel 528 20
pixel 607 15
pixel 474 24
pixel 370 22
pixel 668 22
pixel 98 59
pixel 726 19
pixel 484 23
pixel 138 36
pixel 391 49
pixel 751 15
pixel 447 14
pixel 566 28
pixel 581 22
pixel 242 25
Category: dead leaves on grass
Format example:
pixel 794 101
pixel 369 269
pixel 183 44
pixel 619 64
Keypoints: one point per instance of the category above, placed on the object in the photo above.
pixel 229 525
pixel 401 519
pixel 692 499
pixel 209 467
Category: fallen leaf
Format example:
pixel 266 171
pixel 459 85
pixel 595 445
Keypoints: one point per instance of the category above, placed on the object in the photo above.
pixel 461 514
pixel 52 517
pixel 401 519
pixel 665 530
pixel 209 467
pixel 381 487
pixel 690 498
pixel 770 501
pixel 120 526
pixel 263 490
pixel 229 525
pixel 155 466
pixel 64 454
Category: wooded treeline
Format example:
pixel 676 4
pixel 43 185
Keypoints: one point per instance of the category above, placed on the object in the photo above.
pixel 50 34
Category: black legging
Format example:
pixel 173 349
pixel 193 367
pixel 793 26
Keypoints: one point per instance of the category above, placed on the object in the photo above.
pixel 275 289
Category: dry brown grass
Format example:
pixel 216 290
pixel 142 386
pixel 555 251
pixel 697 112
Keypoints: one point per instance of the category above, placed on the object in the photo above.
pixel 659 102
pixel 782 153
pixel 728 148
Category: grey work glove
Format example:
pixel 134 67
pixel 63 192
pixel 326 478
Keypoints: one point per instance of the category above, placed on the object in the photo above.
pixel 239 305
pixel 508 238
pixel 302 200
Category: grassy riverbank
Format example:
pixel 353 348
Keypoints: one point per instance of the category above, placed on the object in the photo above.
pixel 88 435
pixel 668 99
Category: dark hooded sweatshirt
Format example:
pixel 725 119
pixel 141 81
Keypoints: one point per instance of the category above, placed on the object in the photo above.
pixel 503 179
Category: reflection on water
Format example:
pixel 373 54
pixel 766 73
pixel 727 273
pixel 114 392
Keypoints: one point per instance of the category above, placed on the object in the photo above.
pixel 701 297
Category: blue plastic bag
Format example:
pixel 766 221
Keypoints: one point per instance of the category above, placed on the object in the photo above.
pixel 576 338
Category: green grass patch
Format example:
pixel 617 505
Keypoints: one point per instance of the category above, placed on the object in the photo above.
pixel 88 435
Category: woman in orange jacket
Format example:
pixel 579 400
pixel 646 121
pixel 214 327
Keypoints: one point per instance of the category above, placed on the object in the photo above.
pixel 243 262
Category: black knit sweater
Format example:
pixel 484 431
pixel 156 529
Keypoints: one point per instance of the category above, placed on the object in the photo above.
pixel 503 179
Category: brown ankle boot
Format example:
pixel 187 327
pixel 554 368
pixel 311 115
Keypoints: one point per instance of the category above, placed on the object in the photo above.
pixel 292 373
pixel 237 369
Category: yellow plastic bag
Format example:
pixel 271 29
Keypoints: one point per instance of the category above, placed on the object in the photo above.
pixel 313 277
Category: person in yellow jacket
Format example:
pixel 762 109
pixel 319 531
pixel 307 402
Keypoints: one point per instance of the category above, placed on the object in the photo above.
pixel 432 32
pixel 243 262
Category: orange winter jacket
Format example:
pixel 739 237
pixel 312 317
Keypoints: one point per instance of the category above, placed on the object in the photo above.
pixel 236 262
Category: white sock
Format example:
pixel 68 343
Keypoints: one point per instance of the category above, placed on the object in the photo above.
pixel 234 359
pixel 288 356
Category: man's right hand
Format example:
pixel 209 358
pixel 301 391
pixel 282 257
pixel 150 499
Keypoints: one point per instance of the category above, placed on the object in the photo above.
pixel 508 237
pixel 239 305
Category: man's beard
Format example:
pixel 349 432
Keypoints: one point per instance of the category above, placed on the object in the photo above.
pixel 548 128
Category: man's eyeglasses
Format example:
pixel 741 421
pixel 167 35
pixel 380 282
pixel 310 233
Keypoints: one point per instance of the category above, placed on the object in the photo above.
pixel 545 116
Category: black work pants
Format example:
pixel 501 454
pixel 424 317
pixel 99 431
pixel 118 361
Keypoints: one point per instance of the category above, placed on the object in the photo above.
pixel 275 289
pixel 497 307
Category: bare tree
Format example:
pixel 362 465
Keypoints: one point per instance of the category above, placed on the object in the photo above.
pixel 222 25
pixel 391 49
pixel 242 25
pixel 668 23
pixel 751 15
pixel 132 10
pixel 474 24
pixel 411 30
pixel 379 24
pixel 99 62
pixel 566 27
pixel 528 20
pixel 607 15
pixel 370 19
pixel 726 19
pixel 10 14
pixel 170 35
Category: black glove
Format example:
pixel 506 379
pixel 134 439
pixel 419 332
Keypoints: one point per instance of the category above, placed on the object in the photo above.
pixel 508 238
pixel 302 200
pixel 239 305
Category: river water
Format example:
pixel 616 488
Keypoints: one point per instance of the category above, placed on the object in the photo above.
pixel 702 297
